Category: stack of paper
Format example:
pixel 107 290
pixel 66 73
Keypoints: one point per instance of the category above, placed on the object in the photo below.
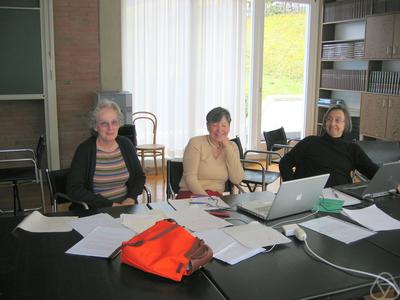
pixel 206 203
pixel 140 222
pixel 330 193
pixel 86 225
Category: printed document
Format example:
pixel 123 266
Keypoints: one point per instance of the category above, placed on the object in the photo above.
pixel 373 218
pixel 140 222
pixel 225 248
pixel 36 222
pixel 255 235
pixel 85 225
pixel 337 229
pixel 102 242
pixel 196 219
pixel 206 203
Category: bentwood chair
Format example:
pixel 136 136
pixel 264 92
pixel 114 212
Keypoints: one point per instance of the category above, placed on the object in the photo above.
pixel 175 173
pixel 23 166
pixel 149 150
pixel 256 177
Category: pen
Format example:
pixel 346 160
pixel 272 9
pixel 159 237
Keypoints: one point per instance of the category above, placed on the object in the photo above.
pixel 335 194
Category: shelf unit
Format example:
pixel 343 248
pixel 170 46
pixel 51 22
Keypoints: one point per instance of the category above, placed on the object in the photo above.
pixel 360 64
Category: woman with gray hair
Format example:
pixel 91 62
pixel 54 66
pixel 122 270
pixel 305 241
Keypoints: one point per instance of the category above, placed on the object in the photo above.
pixel 329 153
pixel 105 170
pixel 210 160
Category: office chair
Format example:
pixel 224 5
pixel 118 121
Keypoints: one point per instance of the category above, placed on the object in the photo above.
pixel 277 140
pixel 253 177
pixel 150 150
pixel 129 131
pixel 23 170
pixel 175 173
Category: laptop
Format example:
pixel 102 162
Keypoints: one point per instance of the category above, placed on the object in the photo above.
pixel 293 197
pixel 383 183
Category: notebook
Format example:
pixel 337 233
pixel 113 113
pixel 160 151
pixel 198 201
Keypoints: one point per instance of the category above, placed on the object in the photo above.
pixel 383 183
pixel 293 197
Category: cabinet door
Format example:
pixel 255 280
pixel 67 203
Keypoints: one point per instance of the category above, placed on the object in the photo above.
pixel 393 119
pixel 373 115
pixel 379 37
pixel 396 37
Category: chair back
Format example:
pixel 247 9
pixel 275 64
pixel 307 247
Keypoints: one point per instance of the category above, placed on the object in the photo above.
pixel 144 115
pixel 174 175
pixel 277 136
pixel 238 143
pixel 129 131
pixel 41 145
pixel 57 181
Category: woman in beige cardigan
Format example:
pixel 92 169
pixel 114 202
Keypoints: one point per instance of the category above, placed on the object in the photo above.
pixel 210 160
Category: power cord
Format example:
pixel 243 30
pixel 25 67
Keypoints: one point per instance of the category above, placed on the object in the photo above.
pixel 294 220
pixel 392 284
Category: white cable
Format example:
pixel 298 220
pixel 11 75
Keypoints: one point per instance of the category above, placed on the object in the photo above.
pixel 294 220
pixel 392 284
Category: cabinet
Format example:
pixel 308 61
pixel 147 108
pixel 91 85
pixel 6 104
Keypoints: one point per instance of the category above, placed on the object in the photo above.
pixel 382 46
pixel 380 116
pixel 360 64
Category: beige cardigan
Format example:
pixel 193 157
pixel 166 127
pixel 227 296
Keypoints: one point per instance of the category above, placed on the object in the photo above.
pixel 201 171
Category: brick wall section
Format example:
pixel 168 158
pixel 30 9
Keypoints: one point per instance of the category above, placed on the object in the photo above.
pixel 77 50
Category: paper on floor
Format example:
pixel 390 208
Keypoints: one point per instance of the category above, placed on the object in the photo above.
pixel 36 222
pixel 373 218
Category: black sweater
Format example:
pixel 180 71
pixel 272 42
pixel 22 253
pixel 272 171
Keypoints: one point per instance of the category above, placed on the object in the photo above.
pixel 80 178
pixel 316 155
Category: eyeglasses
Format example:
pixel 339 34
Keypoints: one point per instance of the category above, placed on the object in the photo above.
pixel 105 124
pixel 334 120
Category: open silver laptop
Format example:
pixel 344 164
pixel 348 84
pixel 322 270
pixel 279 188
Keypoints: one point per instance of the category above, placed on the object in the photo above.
pixel 384 182
pixel 293 197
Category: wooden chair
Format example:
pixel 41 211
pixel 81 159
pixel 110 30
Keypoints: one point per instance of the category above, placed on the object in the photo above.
pixel 149 150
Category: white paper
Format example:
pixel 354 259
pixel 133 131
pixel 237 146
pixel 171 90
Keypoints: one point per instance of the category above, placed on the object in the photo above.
pixel 331 193
pixel 206 203
pixel 85 225
pixel 338 229
pixel 255 235
pixel 140 222
pixel 225 248
pixel 101 242
pixel 36 222
pixel 373 218
pixel 196 219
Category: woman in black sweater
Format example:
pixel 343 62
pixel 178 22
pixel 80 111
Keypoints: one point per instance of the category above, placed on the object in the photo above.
pixel 329 153
pixel 105 170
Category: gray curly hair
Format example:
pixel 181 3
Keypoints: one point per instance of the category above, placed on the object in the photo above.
pixel 101 105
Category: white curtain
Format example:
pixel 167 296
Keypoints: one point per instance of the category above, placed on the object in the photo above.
pixel 181 58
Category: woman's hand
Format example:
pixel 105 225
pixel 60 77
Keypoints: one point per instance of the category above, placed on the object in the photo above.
pixel 128 201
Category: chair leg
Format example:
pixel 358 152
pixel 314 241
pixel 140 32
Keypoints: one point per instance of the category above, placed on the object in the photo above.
pixel 155 160
pixel 42 191
pixel 16 197
pixel 162 163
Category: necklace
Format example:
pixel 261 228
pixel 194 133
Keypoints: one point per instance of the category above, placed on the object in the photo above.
pixel 212 144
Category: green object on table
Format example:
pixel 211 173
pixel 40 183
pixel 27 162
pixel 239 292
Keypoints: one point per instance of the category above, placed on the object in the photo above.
pixel 328 205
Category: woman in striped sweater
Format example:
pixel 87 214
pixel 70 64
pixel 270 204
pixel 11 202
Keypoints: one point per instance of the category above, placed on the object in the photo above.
pixel 105 170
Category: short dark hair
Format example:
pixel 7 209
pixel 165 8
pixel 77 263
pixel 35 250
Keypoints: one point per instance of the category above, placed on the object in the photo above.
pixel 216 114
pixel 347 118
